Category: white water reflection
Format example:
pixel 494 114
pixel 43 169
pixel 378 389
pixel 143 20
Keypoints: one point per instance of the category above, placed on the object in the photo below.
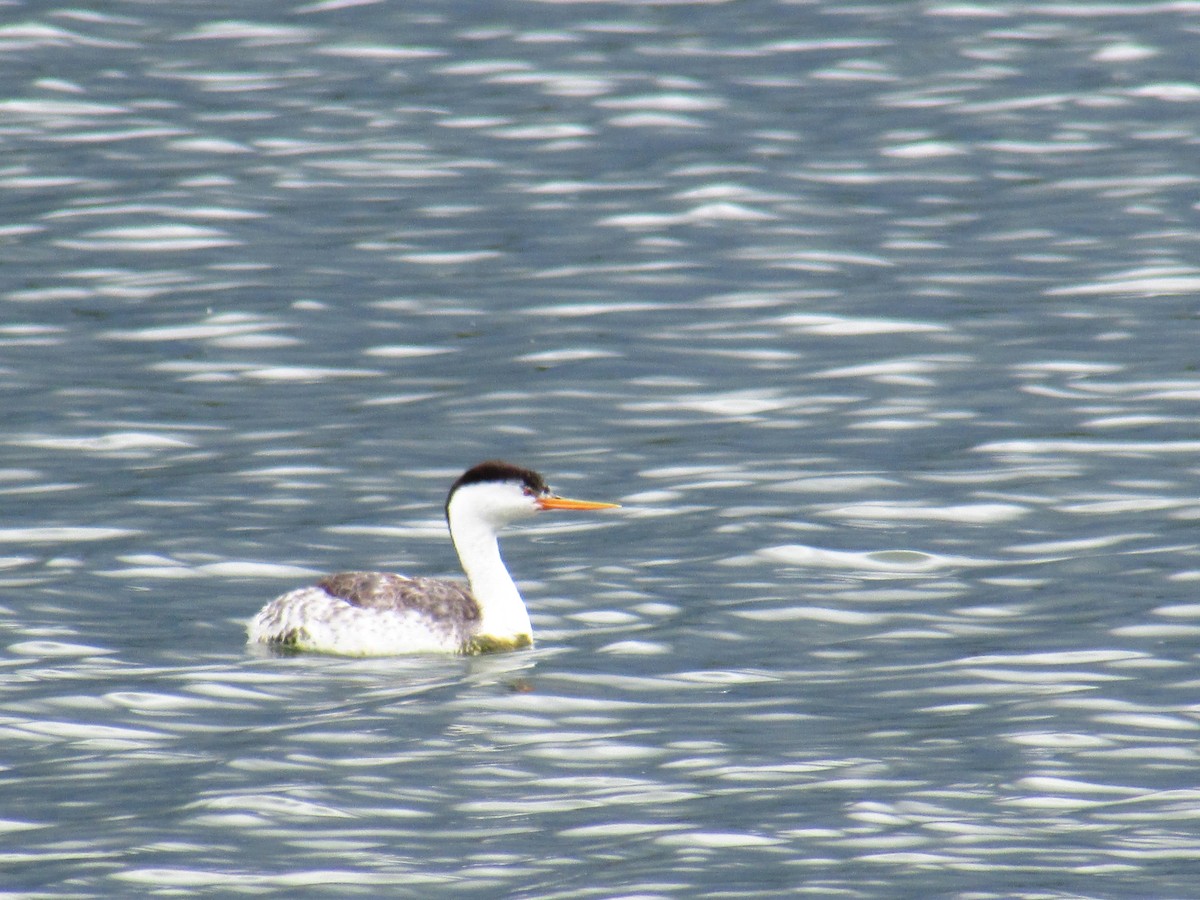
pixel 876 320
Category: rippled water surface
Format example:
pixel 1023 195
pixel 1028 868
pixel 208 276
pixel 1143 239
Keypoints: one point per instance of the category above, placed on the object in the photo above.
pixel 879 320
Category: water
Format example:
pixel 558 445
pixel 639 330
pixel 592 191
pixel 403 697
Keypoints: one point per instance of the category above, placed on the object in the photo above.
pixel 878 319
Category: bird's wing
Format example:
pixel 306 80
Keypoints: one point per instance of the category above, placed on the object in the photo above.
pixel 435 597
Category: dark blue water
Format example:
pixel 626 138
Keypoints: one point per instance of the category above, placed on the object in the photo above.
pixel 879 320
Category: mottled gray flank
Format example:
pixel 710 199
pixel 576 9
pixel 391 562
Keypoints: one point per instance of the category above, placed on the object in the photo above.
pixel 372 613
pixel 436 599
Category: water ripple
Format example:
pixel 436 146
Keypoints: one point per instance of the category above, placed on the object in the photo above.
pixel 877 323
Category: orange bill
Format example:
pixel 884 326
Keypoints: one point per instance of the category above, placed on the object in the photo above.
pixel 564 503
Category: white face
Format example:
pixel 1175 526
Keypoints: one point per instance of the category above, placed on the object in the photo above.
pixel 494 502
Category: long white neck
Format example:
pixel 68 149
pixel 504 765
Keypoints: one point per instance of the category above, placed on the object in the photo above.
pixel 503 610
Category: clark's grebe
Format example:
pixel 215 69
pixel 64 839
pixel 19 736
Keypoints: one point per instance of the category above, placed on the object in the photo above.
pixel 380 614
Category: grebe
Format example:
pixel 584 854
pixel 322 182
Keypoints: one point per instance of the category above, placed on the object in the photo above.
pixel 381 614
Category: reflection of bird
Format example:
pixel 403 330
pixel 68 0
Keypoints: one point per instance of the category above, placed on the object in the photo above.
pixel 378 613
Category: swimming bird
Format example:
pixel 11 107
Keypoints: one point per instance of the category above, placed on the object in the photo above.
pixel 381 614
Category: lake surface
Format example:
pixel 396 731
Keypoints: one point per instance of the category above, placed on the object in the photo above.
pixel 879 320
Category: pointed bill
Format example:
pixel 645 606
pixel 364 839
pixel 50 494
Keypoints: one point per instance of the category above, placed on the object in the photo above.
pixel 564 503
